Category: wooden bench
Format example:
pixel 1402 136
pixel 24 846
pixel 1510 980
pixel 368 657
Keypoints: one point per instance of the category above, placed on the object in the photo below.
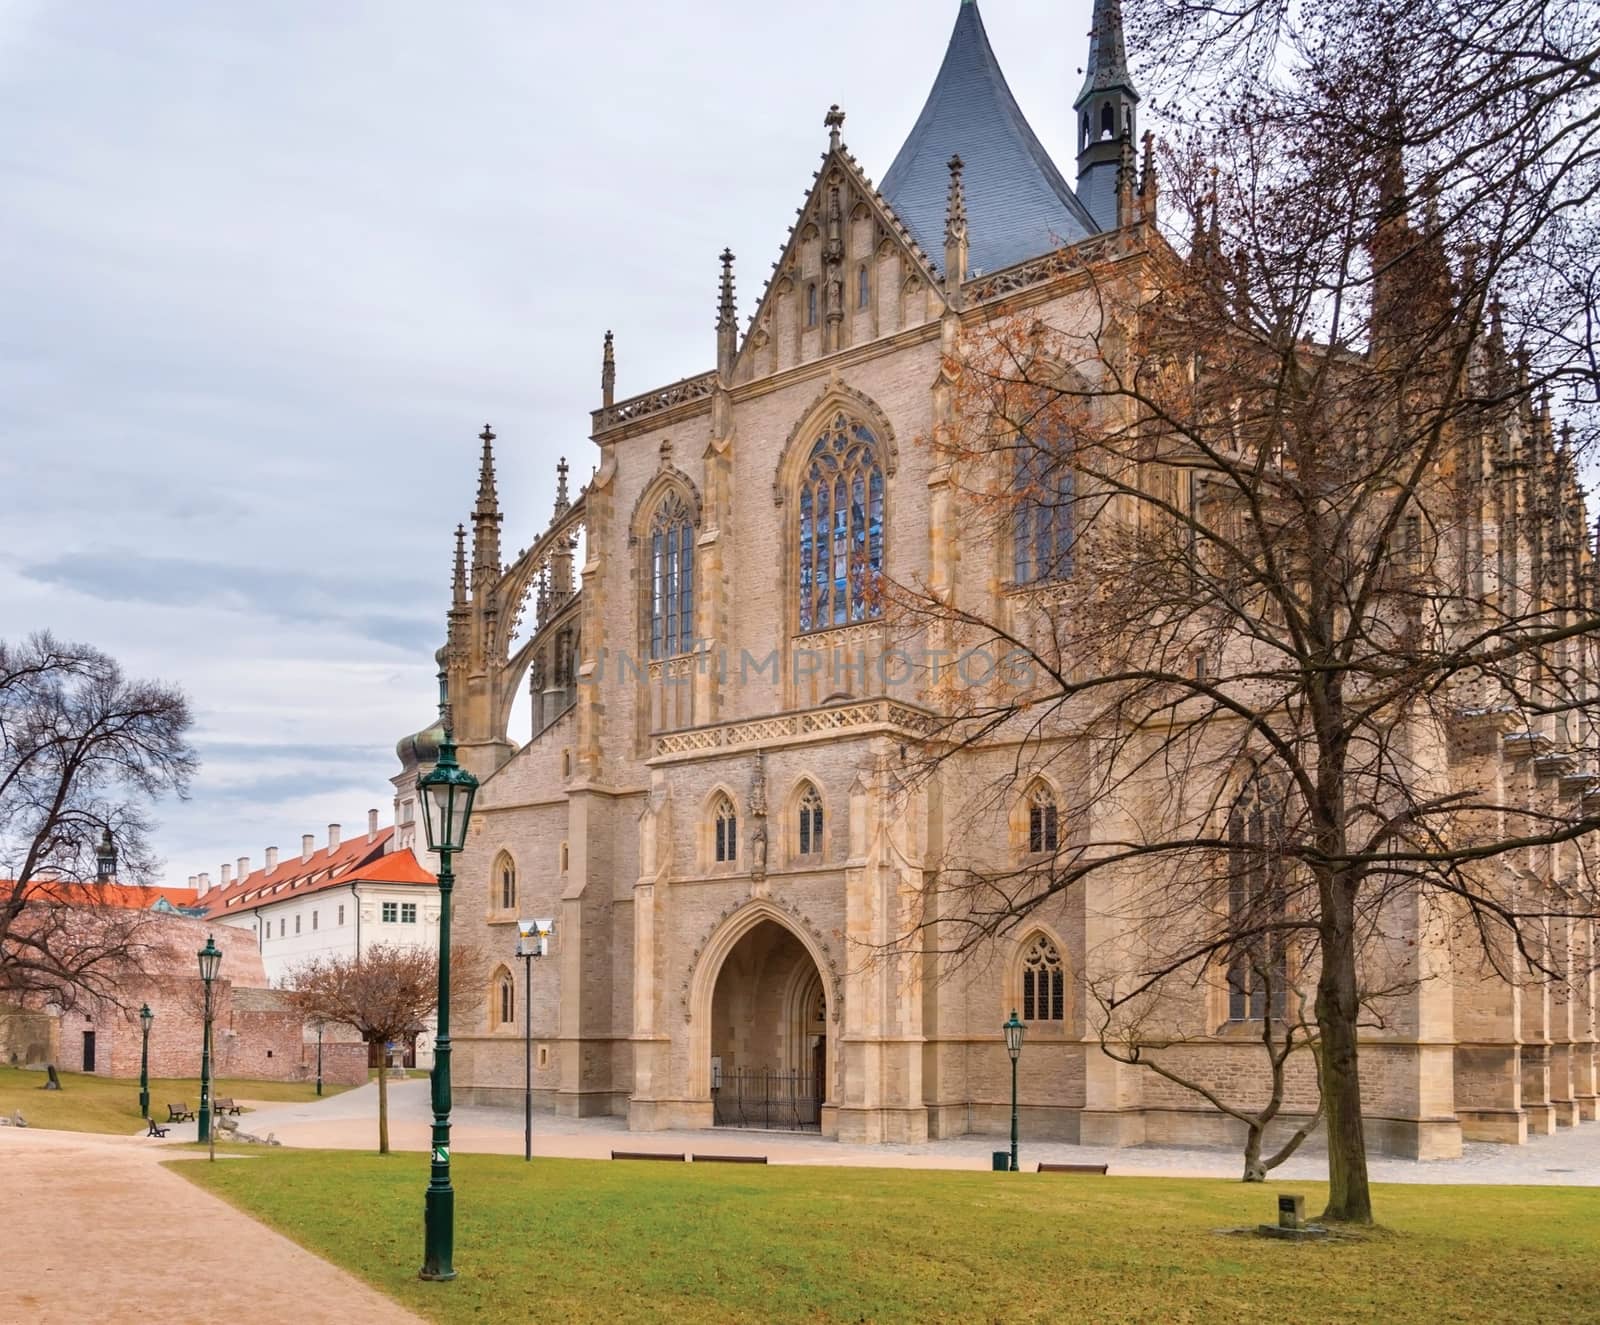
pixel 1074 1168
pixel 179 1113
pixel 646 1154
pixel 157 1130
pixel 730 1159
pixel 226 1105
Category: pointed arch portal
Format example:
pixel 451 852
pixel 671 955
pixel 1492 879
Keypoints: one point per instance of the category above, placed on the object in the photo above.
pixel 759 1033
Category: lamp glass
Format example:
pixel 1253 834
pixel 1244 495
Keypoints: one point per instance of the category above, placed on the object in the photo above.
pixel 146 1016
pixel 210 959
pixel 1014 1030
pixel 447 792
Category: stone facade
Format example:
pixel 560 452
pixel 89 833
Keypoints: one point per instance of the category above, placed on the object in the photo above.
pixel 685 954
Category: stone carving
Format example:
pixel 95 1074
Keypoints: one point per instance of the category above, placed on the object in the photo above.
pixel 689 390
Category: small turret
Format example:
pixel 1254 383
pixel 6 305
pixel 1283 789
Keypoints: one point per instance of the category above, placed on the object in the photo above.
pixel 1108 111
pixel 105 858
pixel 608 374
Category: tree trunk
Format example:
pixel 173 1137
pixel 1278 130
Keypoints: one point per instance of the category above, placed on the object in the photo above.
pixel 1254 1170
pixel 383 1106
pixel 1349 1195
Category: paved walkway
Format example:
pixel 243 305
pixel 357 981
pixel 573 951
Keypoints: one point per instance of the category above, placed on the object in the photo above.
pixel 95 1230
pixel 349 1122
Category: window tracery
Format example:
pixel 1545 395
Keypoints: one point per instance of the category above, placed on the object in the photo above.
pixel 1043 820
pixel 725 847
pixel 671 578
pixel 809 828
pixel 1043 488
pixel 841 528
pixel 1258 969
pixel 1043 982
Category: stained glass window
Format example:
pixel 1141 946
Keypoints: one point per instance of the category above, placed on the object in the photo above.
pixel 841 528
pixel 1043 515
pixel 671 579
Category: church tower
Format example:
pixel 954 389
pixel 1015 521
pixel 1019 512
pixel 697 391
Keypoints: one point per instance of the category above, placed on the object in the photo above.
pixel 1108 111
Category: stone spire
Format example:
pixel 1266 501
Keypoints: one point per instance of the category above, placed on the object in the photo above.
pixel 727 320
pixel 458 580
pixel 1149 187
pixel 1127 181
pixel 486 516
pixel 563 501
pixel 956 248
pixel 608 374
pixel 1107 109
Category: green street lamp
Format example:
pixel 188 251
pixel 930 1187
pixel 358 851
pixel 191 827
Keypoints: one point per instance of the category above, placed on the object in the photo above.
pixel 146 1017
pixel 1014 1030
pixel 446 791
pixel 319 1057
pixel 210 959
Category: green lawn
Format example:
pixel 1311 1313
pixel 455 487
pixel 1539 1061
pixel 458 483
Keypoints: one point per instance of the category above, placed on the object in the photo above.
pixel 585 1240
pixel 87 1103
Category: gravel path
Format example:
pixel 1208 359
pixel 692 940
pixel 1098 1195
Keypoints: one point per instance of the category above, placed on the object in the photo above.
pixel 95 1230
pixel 349 1122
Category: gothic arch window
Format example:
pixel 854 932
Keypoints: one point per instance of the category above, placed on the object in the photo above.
pixel 1108 122
pixel 1043 491
pixel 671 578
pixel 808 828
pixel 1258 964
pixel 502 1000
pixel 1043 982
pixel 863 286
pixel 1044 820
pixel 811 304
pixel 840 552
pixel 503 883
pixel 725 830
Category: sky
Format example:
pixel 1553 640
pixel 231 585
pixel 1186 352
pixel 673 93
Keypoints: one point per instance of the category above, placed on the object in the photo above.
pixel 268 269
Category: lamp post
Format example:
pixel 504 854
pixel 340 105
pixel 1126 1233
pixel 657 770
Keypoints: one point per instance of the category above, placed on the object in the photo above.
pixel 319 1057
pixel 1014 1030
pixel 446 791
pixel 145 1018
pixel 532 939
pixel 210 959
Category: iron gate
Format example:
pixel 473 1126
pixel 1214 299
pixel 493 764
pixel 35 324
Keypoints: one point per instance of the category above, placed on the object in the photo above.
pixel 783 1101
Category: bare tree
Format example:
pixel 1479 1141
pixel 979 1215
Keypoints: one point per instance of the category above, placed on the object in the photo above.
pixel 1150 1032
pixel 384 994
pixel 84 753
pixel 1281 495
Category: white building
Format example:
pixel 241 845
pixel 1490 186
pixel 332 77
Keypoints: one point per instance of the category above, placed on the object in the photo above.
pixel 337 900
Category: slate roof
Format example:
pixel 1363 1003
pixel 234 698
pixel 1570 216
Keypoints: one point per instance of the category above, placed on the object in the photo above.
pixel 1018 204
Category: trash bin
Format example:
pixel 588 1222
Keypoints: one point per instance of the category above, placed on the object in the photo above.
pixel 1002 1161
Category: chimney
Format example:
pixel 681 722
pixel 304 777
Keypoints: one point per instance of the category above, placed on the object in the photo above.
pixel 372 824
pixel 226 876
pixel 205 884
pixel 272 859
pixel 307 846
pixel 243 868
pixel 333 838
pixel 194 881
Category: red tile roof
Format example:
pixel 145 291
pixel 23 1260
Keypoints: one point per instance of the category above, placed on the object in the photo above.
pixel 358 861
pixel 124 896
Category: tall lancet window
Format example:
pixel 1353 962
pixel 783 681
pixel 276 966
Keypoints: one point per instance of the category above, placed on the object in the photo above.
pixel 726 827
pixel 841 528
pixel 1043 488
pixel 1258 970
pixel 671 579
